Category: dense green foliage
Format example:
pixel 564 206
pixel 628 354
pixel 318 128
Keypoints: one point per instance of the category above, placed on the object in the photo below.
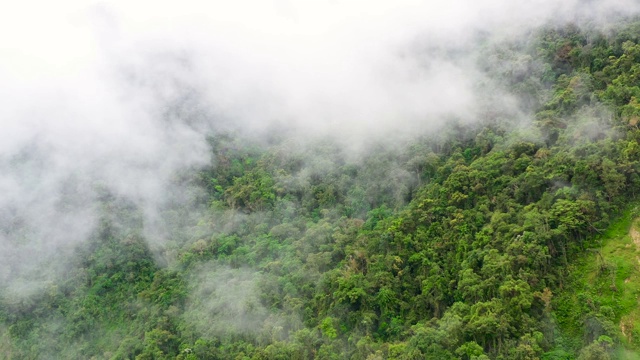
pixel 453 246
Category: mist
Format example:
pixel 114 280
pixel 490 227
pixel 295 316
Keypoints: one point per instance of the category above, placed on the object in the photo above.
pixel 226 300
pixel 120 96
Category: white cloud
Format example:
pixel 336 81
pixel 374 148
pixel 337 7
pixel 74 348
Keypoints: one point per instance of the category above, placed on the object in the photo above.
pixel 90 89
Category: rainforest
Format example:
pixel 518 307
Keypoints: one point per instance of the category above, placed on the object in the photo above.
pixel 501 220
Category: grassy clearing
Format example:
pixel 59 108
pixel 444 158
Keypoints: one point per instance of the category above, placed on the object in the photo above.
pixel 605 284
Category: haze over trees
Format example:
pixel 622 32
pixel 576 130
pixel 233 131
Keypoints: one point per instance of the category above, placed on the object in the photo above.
pixel 200 232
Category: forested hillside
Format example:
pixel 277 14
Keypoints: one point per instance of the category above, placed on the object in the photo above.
pixel 459 244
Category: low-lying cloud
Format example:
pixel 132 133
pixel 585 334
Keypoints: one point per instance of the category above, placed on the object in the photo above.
pixel 121 95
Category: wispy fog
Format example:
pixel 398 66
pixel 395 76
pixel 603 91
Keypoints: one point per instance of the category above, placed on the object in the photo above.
pixel 120 95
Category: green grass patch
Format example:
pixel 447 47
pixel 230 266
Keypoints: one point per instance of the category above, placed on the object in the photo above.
pixel 603 289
